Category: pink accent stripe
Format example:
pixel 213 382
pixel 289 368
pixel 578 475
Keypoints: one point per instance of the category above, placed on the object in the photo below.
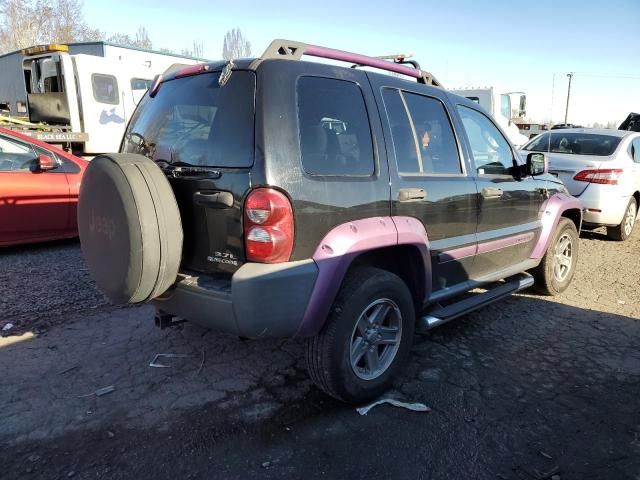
pixel 323 52
pixel 501 243
pixel 486 247
pixel 457 254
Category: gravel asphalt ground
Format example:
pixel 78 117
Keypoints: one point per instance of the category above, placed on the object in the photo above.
pixel 528 388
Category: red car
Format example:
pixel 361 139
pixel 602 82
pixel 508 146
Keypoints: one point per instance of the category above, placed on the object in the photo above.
pixel 39 187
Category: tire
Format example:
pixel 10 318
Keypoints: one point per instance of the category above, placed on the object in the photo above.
pixel 329 354
pixel 552 277
pixel 625 229
pixel 129 226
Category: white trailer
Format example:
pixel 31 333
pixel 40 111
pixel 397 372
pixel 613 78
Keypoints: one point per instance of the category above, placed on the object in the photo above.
pixel 80 95
pixel 499 106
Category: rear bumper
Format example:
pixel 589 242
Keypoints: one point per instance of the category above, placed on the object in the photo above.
pixel 259 301
pixel 608 200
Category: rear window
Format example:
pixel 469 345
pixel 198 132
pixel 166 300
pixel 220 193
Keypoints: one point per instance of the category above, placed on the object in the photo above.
pixel 335 137
pixel 575 143
pixel 195 121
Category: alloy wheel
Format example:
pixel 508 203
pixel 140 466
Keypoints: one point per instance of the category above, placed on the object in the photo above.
pixel 563 257
pixel 630 219
pixel 376 338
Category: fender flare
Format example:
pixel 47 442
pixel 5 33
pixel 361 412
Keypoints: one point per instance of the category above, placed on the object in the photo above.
pixel 337 250
pixel 552 211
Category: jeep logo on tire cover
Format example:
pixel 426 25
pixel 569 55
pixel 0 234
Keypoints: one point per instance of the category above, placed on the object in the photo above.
pixel 103 225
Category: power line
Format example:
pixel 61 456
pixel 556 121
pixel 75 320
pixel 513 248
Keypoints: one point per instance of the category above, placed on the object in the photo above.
pixel 601 75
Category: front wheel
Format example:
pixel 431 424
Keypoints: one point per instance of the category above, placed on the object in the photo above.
pixel 623 231
pixel 556 270
pixel 366 339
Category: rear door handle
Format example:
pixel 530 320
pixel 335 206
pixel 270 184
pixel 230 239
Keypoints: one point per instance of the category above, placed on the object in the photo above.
pixel 490 192
pixel 411 194
pixel 213 199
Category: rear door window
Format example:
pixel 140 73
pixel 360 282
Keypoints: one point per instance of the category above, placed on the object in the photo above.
pixel 335 136
pixel 423 139
pixel 194 121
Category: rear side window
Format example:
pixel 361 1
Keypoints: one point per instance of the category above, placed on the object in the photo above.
pixel 105 88
pixel 335 136
pixel 423 139
pixel 195 121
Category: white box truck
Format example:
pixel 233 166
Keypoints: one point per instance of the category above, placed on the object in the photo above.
pixel 78 95
pixel 499 106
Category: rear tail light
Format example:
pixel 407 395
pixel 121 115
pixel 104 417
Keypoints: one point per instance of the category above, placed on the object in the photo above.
pixel 608 176
pixel 268 226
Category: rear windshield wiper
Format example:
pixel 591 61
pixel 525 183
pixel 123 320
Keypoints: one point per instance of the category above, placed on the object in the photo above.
pixel 181 169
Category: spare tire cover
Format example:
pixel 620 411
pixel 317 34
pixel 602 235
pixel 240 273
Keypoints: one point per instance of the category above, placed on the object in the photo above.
pixel 129 226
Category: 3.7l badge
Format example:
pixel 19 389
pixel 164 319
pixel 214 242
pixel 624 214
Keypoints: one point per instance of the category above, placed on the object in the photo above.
pixel 226 258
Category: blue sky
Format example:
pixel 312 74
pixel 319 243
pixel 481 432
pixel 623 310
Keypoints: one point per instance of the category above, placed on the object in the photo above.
pixel 464 43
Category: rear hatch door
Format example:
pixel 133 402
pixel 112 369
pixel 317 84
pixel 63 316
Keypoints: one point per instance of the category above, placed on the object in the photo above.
pixel 202 134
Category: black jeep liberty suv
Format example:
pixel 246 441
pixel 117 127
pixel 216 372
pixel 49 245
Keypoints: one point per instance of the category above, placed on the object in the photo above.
pixel 276 197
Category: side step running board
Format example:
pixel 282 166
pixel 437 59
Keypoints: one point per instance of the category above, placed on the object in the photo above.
pixel 499 290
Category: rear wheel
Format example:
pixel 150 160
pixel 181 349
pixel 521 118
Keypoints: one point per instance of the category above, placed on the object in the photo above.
pixel 366 339
pixel 624 230
pixel 555 272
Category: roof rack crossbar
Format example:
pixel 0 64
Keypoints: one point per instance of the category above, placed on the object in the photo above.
pixel 295 50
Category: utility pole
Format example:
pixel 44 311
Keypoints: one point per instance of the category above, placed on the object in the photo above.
pixel 566 112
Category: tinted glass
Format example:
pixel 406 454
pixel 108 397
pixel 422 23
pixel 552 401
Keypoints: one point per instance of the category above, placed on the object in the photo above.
pixel 195 121
pixel 576 143
pixel 491 151
pixel 105 88
pixel 404 142
pixel 436 141
pixel 15 156
pixel 335 137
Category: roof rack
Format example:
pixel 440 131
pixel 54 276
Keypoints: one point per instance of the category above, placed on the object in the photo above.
pixel 290 50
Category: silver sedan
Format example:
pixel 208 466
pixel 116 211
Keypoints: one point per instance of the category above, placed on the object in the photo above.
pixel 602 169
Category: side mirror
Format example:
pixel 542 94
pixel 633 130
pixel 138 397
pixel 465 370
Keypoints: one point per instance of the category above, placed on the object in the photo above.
pixel 537 164
pixel 46 163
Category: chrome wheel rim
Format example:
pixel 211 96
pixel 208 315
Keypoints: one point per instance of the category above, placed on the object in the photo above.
pixel 630 219
pixel 563 258
pixel 376 338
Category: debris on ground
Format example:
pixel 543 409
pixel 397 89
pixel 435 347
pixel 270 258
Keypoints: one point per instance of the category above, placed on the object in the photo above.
pixel 201 363
pixel 269 463
pixel 99 393
pixel 7 327
pixel 103 391
pixel 67 370
pixel 416 407
pixel 155 364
